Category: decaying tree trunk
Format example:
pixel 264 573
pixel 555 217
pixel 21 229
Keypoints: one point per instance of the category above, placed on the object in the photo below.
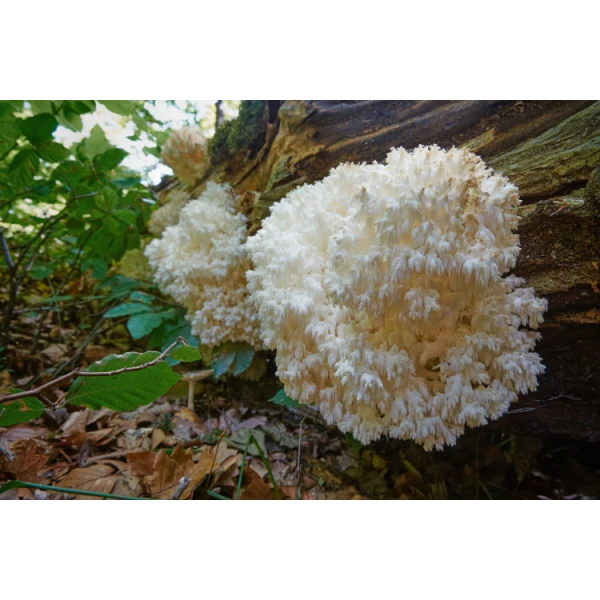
pixel 551 150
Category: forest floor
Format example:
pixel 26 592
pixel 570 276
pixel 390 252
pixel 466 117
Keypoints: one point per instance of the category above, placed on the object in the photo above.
pixel 167 451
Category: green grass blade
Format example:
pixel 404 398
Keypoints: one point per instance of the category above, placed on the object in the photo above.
pixel 239 485
pixel 265 462
pixel 11 485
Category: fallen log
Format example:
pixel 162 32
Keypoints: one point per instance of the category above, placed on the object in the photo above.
pixel 550 149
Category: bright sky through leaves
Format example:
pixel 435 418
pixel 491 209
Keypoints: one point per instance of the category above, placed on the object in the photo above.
pixel 118 130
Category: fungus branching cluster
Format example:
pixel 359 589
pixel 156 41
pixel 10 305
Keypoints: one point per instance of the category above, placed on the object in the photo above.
pixel 383 289
pixel 168 214
pixel 186 152
pixel 201 262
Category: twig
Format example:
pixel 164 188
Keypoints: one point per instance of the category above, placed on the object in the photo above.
pixel 5 250
pixel 78 373
pixel 183 483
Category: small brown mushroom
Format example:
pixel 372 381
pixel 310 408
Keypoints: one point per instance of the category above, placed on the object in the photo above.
pixel 191 378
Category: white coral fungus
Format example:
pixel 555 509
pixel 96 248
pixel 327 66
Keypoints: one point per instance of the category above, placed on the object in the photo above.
pixel 168 214
pixel 201 263
pixel 381 289
pixel 186 152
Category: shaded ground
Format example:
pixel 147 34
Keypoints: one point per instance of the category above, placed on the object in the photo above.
pixel 149 451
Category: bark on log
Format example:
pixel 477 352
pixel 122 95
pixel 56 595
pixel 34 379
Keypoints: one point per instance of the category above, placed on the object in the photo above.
pixel 551 150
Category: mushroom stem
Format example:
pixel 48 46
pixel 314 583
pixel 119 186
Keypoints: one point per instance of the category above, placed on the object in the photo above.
pixel 191 378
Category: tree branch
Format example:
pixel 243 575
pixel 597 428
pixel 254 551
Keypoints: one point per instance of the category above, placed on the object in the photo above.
pixel 6 251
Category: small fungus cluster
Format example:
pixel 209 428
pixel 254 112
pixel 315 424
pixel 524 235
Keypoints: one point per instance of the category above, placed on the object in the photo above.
pixel 186 152
pixel 201 263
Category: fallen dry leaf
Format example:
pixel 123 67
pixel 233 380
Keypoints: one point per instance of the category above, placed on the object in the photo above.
pixel 258 467
pixel 141 464
pixel 18 494
pixel 55 352
pixel 158 435
pixel 95 478
pixel 10 435
pixel 76 423
pixel 100 437
pixel 28 459
pixel 187 425
pixel 256 488
pixel 169 470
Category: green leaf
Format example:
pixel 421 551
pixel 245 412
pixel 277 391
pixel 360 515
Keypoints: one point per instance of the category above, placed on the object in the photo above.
pixel 98 266
pixel 125 214
pixel 129 308
pixel 53 153
pixel 41 106
pixel 107 200
pixel 110 159
pixel 186 354
pixel 282 399
pixel 153 151
pixel 139 121
pixel 8 107
pixel 120 107
pixel 96 143
pixel 70 119
pixel 142 324
pixel 222 360
pixel 20 410
pixel 126 391
pixel 23 167
pixel 244 353
pixel 81 107
pixel 126 182
pixel 355 443
pixel 39 272
pixel 39 129
pixel 142 297
pixel 170 314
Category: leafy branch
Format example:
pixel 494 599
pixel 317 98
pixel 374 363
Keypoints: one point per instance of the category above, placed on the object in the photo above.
pixel 78 373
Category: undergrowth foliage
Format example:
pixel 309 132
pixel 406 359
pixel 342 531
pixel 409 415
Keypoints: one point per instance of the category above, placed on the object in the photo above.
pixel 70 213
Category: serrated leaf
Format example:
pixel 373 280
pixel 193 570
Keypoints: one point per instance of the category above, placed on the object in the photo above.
pixel 244 353
pixel 23 167
pixel 96 143
pixel 39 128
pixel 119 107
pixel 142 324
pixel 128 308
pixel 126 215
pixel 126 391
pixel 107 200
pixel 110 159
pixel 20 410
pixel 53 152
pixel 186 354
pixel 282 399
